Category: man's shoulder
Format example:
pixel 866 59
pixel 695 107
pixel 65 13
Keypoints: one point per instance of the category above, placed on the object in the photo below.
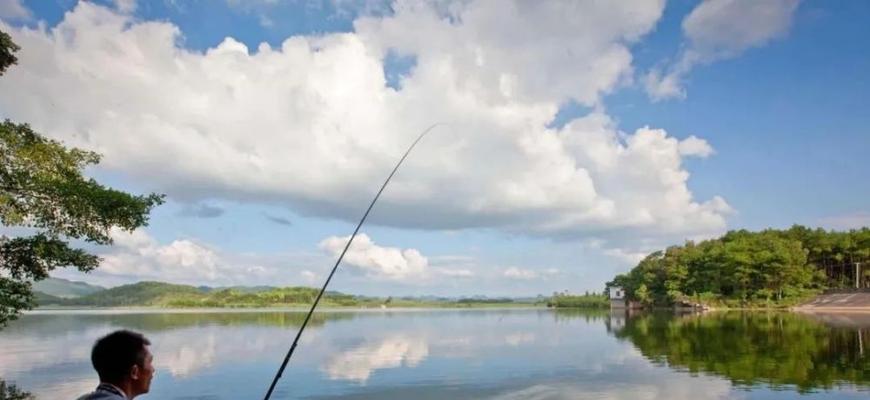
pixel 101 395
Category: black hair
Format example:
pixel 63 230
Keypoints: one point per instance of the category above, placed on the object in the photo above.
pixel 115 354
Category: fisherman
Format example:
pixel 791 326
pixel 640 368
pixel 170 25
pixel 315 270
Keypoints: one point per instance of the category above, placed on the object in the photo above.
pixel 123 362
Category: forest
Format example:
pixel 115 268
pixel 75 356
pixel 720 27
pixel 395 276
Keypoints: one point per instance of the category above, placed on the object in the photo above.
pixel 746 269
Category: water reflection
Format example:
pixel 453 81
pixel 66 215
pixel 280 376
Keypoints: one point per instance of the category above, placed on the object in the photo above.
pixel 58 345
pixel 471 354
pixel 779 350
pixel 358 363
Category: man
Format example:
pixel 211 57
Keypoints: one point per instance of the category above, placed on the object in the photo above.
pixel 123 362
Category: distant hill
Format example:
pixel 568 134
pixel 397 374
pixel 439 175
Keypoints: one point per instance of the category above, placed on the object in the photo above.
pixel 47 299
pixel 160 294
pixel 138 294
pixel 65 289
pixel 242 289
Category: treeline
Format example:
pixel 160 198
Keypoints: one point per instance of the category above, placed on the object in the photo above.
pixel 586 300
pixel 160 294
pixel 742 268
pixel 475 300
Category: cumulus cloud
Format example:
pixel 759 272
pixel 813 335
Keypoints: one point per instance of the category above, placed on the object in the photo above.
pixel 139 256
pixel 13 10
pixel 313 126
pixel 377 261
pixel 720 29
pixel 391 263
pixel 694 146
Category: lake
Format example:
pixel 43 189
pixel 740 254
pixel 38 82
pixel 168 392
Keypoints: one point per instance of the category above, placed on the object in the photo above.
pixel 456 354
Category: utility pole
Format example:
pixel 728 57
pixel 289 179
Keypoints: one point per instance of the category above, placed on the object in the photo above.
pixel 857 275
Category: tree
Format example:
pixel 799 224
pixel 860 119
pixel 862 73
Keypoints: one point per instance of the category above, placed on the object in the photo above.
pixel 12 392
pixel 43 190
pixel 642 295
pixel 7 52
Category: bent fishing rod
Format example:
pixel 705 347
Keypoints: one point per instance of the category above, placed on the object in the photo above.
pixel 337 262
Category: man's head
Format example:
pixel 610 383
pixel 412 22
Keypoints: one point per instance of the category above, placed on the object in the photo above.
pixel 122 359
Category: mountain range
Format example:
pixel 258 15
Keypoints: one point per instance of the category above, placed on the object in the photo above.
pixel 62 292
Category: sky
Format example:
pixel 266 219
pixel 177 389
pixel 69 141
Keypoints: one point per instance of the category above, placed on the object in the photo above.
pixel 572 138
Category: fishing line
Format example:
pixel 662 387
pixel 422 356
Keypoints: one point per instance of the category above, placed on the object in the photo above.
pixel 337 262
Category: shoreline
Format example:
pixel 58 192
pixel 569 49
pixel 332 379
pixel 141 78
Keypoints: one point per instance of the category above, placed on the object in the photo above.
pixel 183 310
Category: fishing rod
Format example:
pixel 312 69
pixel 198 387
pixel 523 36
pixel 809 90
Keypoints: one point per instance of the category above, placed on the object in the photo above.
pixel 337 262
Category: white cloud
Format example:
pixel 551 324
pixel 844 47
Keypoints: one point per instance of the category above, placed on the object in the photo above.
pixel 723 28
pixel 694 146
pixel 309 276
pixel 376 261
pixel 627 257
pixel 719 29
pixel 312 125
pixel 138 256
pixel 517 273
pixel 125 6
pixel 515 51
pixel 454 273
pixel 528 274
pixel 13 10
pixel 182 260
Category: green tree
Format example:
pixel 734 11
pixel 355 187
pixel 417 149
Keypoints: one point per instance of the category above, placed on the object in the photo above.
pixel 9 391
pixel 642 294
pixel 7 52
pixel 742 268
pixel 42 189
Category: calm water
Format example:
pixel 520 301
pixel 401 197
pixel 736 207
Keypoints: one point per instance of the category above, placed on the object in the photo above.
pixel 448 354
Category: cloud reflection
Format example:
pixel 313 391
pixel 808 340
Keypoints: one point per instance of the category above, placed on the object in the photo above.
pixel 358 363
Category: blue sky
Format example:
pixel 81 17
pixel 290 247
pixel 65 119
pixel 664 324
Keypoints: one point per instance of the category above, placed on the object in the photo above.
pixel 579 138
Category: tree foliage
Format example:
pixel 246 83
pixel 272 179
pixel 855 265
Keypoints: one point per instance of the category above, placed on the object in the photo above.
pixel 7 52
pixel 750 268
pixel 43 189
pixel 586 300
pixel 9 391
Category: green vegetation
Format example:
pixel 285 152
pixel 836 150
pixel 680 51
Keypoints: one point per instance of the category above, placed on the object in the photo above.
pixel 587 300
pixel 159 294
pixel 45 298
pixel 771 268
pixel 485 301
pixel 42 187
pixel 752 348
pixel 10 391
pixel 64 288
pixel 138 294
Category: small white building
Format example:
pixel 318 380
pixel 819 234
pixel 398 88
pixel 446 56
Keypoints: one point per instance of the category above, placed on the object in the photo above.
pixel 617 297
